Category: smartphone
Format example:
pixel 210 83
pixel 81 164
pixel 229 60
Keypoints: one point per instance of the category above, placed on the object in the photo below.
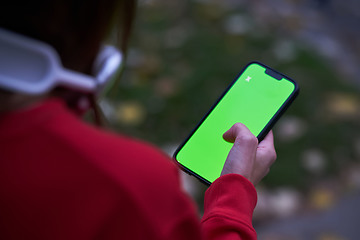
pixel 257 98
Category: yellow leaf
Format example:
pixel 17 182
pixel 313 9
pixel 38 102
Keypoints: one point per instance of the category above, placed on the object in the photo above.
pixel 130 113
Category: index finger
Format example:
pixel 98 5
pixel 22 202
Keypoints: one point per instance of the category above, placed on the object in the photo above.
pixel 268 140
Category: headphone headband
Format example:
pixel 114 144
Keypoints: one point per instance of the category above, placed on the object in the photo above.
pixel 34 67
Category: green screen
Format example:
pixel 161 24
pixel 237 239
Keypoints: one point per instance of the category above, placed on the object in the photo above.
pixel 253 100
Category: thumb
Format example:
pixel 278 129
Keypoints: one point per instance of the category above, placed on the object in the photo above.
pixel 242 155
pixel 236 130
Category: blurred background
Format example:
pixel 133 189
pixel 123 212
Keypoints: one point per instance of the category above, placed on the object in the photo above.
pixel 184 53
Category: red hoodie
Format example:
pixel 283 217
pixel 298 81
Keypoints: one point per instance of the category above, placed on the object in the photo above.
pixel 61 178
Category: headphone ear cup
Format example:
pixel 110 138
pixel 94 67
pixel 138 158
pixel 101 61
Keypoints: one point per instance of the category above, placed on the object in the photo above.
pixel 105 66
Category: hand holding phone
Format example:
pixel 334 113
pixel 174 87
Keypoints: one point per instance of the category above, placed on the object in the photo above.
pixel 247 157
pixel 257 98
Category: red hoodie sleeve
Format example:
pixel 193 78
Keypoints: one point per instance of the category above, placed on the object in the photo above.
pixel 228 209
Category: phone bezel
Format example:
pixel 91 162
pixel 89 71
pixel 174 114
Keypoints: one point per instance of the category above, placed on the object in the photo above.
pixel 264 131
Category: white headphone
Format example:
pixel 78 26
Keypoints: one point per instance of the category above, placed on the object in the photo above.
pixel 34 67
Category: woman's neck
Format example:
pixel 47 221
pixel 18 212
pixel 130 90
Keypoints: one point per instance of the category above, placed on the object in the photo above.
pixel 14 101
